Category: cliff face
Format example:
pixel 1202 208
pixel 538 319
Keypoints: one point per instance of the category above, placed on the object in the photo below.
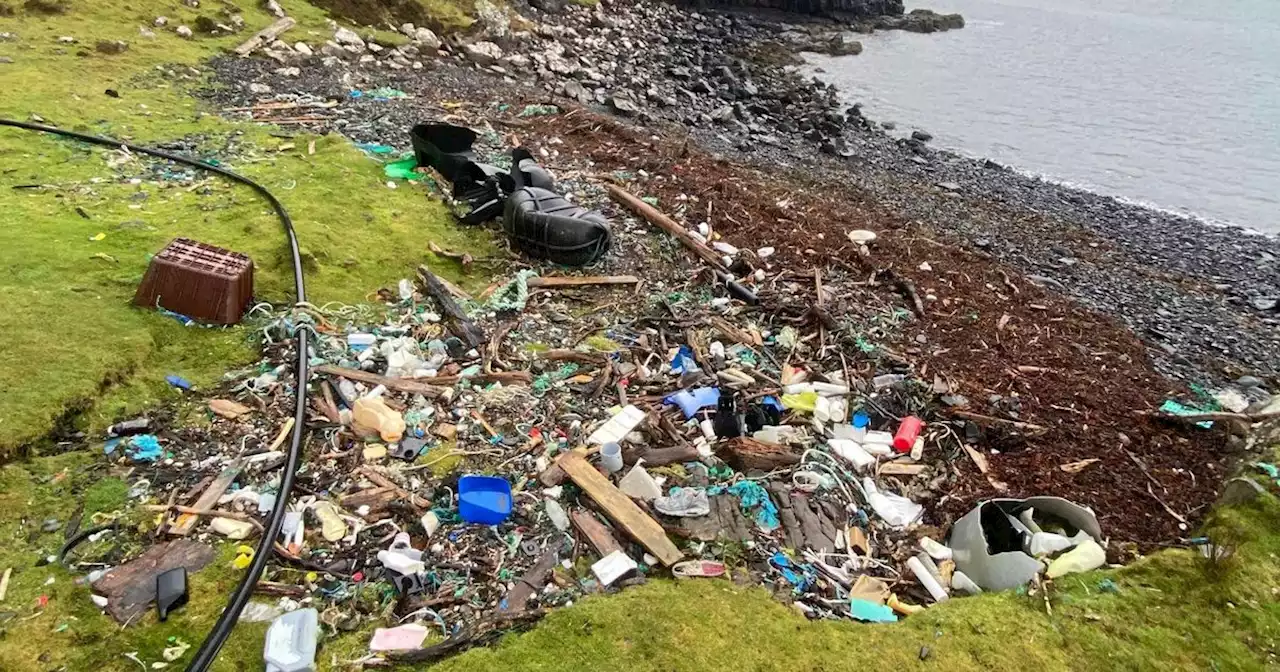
pixel 843 8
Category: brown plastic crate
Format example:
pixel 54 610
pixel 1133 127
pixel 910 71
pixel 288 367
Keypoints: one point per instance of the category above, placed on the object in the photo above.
pixel 201 281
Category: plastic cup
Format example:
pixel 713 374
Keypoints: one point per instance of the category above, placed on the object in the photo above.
pixel 611 456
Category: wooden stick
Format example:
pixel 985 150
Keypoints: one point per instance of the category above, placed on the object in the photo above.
pixel 213 513
pixel 265 36
pixel 574 356
pixel 979 418
pixel 4 583
pixel 187 522
pixel 580 281
pixel 650 214
pixel 409 385
pixel 504 377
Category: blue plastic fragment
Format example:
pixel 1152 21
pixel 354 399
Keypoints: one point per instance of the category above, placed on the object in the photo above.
pixel 870 612
pixel 144 448
pixel 110 446
pixel 691 401
pixel 773 402
pixel 684 361
pixel 800 576
pixel 178 382
pixel 861 420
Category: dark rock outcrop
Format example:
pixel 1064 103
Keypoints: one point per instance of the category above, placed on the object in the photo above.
pixel 851 9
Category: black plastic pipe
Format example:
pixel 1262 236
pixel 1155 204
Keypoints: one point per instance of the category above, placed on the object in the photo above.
pixel 231 613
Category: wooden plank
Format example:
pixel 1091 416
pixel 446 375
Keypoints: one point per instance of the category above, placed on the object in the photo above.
pixel 595 531
pixel 620 508
pixel 265 36
pixel 901 469
pixel 208 499
pixel 410 385
pixel 657 457
pixel 583 280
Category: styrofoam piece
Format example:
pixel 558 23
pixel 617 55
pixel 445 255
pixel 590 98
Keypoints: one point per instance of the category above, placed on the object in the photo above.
pixel 612 567
pixel 618 426
pixel 639 484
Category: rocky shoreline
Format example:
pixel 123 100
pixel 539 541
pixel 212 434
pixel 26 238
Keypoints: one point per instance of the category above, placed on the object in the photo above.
pixel 1203 297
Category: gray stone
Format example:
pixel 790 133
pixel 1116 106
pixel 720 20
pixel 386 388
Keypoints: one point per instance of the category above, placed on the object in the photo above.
pixel 5 59
pixel 347 37
pixel 274 8
pixel 111 47
pixel 302 48
pixel 1248 381
pixel 922 136
pixel 949 186
pixel 426 38
pixel 888 125
pixel 1239 491
pixel 184 32
pixel 332 50
pixel 722 114
pixel 483 53
pixel 623 105
pixel 161 21
pixel 259 88
pixel 50 525
pixel 408 29
pixel 1264 303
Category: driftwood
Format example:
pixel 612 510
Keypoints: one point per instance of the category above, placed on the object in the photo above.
pixel 408 385
pixel 657 457
pixel 746 454
pixel 208 499
pixel 265 36
pixel 574 356
pixel 461 325
pixel 532 581
pixel 653 216
pixel 131 587
pixel 620 509
pixel 987 419
pixel 724 522
pixel 582 281
pixel 595 531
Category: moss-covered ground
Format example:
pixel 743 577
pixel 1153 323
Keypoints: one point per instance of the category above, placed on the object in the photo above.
pixel 80 222
pixel 73 344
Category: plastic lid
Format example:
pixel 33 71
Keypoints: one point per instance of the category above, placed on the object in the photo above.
pixel 860 420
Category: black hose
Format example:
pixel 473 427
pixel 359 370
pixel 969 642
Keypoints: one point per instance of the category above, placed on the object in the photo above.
pixel 79 539
pixel 231 613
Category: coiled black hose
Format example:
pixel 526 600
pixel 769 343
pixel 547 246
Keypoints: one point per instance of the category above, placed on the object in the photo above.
pixel 231 613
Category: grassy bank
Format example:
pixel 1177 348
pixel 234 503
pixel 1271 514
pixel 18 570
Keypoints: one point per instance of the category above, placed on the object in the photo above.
pixel 1173 610
pixel 81 222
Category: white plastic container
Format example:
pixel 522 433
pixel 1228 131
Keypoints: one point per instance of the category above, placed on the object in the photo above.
pixel 611 456
pixel 291 642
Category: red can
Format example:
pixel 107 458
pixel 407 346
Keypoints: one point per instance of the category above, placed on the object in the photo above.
pixel 907 433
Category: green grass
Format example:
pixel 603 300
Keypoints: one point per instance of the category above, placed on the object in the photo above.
pixel 67 312
pixel 1168 611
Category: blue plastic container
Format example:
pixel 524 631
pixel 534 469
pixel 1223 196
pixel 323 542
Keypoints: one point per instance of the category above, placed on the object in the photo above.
pixel 484 500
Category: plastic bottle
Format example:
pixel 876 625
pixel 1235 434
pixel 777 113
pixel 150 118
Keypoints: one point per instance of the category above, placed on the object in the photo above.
pixel 372 415
pixel 907 433
pixel 557 515
pixel 291 642
pixel 860 425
